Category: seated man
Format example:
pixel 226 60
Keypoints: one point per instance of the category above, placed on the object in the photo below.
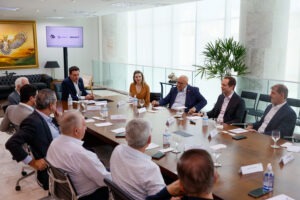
pixel 37 130
pixel 183 95
pixel 14 97
pixel 85 169
pixel 196 178
pixel 278 115
pixel 73 85
pixel 15 114
pixel 133 170
pixel 230 107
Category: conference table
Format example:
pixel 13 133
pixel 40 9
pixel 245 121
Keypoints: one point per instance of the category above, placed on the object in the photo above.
pixel 230 184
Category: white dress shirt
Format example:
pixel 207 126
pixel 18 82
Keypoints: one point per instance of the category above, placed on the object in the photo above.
pixel 269 116
pixel 180 99
pixel 224 107
pixel 85 169
pixel 135 172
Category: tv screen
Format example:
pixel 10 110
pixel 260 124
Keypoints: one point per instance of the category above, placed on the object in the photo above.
pixel 64 36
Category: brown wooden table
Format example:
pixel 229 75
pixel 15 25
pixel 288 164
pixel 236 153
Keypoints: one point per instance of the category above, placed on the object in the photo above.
pixel 230 184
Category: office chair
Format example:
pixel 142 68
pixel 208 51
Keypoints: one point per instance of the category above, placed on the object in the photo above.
pixel 257 113
pixel 154 96
pixel 296 104
pixel 116 191
pixel 243 123
pixel 24 173
pixel 249 97
pixel 60 184
pixel 58 91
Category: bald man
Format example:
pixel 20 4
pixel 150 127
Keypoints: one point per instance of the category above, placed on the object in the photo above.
pixel 183 95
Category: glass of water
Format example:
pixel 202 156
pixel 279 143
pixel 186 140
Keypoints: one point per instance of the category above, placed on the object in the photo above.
pixel 275 137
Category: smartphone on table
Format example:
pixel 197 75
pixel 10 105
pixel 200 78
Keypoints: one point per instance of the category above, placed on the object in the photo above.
pixel 258 192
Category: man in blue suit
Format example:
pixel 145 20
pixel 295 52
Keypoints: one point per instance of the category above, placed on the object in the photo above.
pixel 278 115
pixel 73 85
pixel 183 95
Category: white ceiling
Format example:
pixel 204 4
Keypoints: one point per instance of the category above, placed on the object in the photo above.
pixel 70 9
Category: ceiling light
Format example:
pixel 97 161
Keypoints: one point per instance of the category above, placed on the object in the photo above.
pixel 125 4
pixel 9 8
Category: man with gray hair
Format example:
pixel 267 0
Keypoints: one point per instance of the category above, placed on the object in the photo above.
pixel 37 130
pixel 84 168
pixel 131 168
pixel 278 115
pixel 14 97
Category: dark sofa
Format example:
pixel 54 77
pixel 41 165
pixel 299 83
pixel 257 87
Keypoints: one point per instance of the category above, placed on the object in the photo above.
pixel 7 83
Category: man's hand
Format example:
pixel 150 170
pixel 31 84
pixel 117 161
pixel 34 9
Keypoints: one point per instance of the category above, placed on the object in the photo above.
pixel 39 164
pixel 89 97
pixel 198 114
pixel 250 128
pixel 192 110
pixel 155 103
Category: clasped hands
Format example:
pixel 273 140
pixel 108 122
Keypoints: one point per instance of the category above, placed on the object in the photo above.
pixel 191 111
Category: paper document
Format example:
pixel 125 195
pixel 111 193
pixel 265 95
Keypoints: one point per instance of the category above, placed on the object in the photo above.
pixel 93 107
pixel 218 146
pixel 179 108
pixel 118 130
pixel 100 103
pixel 152 111
pixel 117 117
pixel 103 124
pixel 98 118
pixel 166 150
pixel 152 146
pixel 193 117
pixel 293 148
pixel 89 120
pixel 281 197
pixel 158 108
pixel 238 130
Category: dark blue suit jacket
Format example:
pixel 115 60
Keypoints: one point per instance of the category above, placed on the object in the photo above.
pixel 35 132
pixel 68 87
pixel 284 120
pixel 234 112
pixel 193 98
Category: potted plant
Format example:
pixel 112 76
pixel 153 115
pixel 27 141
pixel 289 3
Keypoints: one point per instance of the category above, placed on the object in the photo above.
pixel 223 58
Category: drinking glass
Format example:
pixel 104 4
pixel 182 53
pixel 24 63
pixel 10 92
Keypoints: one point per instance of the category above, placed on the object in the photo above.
pixel 216 153
pixel 141 102
pixel 275 137
pixel 79 94
pixel 179 113
pixel 176 140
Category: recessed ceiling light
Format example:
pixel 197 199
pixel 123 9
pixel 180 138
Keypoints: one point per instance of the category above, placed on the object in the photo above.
pixel 9 8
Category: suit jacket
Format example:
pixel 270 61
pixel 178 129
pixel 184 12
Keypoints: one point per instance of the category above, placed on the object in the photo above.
pixel 67 87
pixel 14 114
pixel 13 98
pixel 234 112
pixel 193 98
pixel 284 121
pixel 35 132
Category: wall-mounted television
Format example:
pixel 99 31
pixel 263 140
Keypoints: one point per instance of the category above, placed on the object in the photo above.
pixel 64 36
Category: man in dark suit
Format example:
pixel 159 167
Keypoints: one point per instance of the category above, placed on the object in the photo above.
pixel 278 115
pixel 183 95
pixel 230 107
pixel 14 97
pixel 37 130
pixel 73 85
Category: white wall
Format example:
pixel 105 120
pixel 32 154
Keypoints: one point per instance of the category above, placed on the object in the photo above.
pixel 81 57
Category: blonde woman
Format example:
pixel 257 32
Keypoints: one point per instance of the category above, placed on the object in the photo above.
pixel 139 87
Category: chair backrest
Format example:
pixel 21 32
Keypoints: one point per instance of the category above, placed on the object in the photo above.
pixel 295 103
pixel 263 98
pixel 154 96
pixel 58 91
pixel 246 95
pixel 60 185
pixel 116 191
pixel 244 116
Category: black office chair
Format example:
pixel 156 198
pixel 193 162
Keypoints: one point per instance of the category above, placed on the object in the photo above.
pixel 58 91
pixel 295 103
pixel 116 191
pixel 243 123
pixel 60 184
pixel 249 97
pixel 257 113
pixel 154 96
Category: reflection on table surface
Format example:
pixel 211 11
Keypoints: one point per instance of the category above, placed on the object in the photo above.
pixel 230 184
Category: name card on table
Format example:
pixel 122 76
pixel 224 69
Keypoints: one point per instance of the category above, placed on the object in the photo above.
pixel 119 130
pixel 117 117
pixel 287 158
pixel 170 121
pixel 142 110
pixel 248 169
pixel 89 120
pixel 103 124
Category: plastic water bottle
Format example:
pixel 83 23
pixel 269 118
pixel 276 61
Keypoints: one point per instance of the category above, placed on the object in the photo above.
pixel 268 178
pixel 70 102
pixel 205 120
pixel 104 111
pixel 135 101
pixel 166 139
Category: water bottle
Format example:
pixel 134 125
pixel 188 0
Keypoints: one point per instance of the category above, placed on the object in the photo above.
pixel 268 178
pixel 135 101
pixel 104 111
pixel 205 120
pixel 166 139
pixel 70 102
